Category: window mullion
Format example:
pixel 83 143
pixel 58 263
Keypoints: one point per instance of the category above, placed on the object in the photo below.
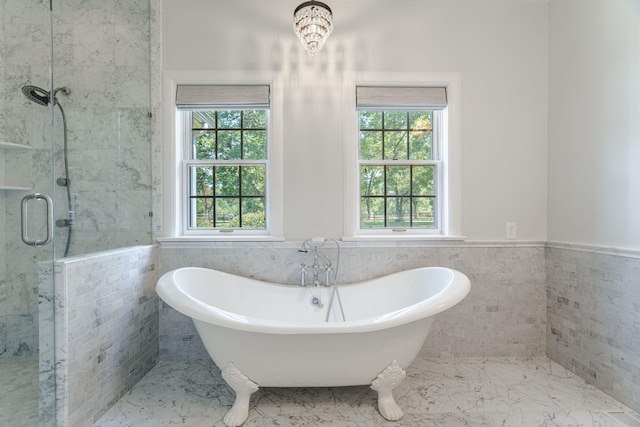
pixel 385 195
pixel 399 162
pixel 240 192
pixel 214 199
pixel 410 193
pixel 407 137
pixel 217 148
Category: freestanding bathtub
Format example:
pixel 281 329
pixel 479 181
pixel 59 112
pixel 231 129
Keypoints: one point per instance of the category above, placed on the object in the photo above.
pixel 271 335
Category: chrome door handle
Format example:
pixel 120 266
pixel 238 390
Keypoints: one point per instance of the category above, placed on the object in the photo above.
pixel 25 219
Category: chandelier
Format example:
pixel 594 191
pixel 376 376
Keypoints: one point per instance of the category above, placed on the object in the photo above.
pixel 312 22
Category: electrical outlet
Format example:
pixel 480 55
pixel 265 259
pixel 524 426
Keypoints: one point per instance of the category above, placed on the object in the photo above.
pixel 512 230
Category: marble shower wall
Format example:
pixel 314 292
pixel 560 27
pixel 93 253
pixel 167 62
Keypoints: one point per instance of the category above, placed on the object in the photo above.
pixel 102 54
pixel 593 312
pixel 503 315
pixel 106 332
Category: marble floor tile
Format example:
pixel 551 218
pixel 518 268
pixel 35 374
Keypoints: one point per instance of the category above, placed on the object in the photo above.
pixel 449 393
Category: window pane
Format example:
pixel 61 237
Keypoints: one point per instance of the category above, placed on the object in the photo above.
pixel 398 212
pixel 420 145
pixel 229 119
pixel 253 213
pixel 371 212
pixel 423 212
pixel 227 181
pixel 398 180
pixel 253 180
pixel 255 119
pixel 254 145
pixel 204 213
pixel 422 184
pixel 204 144
pixel 229 145
pixel 372 180
pixel 226 211
pixel 203 120
pixel 395 120
pixel 370 119
pixel 201 181
pixel 395 145
pixel 420 120
pixel 371 145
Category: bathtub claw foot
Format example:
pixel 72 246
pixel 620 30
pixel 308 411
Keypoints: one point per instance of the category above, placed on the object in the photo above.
pixel 244 388
pixel 384 384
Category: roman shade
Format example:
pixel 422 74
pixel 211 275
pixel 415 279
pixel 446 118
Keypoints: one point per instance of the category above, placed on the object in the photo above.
pixel 198 97
pixel 400 97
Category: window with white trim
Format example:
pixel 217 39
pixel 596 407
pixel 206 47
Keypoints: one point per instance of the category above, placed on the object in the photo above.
pixel 399 176
pixel 224 134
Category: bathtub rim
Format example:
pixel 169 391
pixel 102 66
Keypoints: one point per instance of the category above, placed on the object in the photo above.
pixel 455 291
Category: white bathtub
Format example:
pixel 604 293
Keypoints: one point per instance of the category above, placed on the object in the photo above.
pixel 270 335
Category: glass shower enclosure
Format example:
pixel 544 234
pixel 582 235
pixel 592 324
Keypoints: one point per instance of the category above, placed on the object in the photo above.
pixel 75 168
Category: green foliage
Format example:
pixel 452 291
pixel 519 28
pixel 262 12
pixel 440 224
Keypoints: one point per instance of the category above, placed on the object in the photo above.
pixel 255 220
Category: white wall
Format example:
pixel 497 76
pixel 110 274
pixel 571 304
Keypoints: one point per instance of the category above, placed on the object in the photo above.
pixel 594 122
pixel 500 49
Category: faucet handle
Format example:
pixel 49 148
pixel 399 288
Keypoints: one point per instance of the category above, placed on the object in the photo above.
pixel 303 273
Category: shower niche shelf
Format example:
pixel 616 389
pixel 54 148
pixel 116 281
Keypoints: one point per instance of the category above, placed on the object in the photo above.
pixel 13 146
pixel 14 188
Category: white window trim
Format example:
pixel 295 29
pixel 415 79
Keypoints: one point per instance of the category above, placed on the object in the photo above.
pixel 450 210
pixel 173 178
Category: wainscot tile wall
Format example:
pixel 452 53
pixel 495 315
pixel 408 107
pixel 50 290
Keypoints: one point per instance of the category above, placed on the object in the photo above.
pixel 593 312
pixel 106 331
pixel 504 314
pixel 590 322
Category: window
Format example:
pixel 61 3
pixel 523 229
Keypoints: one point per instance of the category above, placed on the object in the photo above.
pixel 399 176
pixel 227 161
pixel 226 169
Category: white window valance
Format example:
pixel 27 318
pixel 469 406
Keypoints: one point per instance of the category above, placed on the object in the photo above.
pixel 400 97
pixel 198 97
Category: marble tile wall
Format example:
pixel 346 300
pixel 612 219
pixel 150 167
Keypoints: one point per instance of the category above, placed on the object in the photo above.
pixel 504 314
pixel 109 128
pixel 593 314
pixel 106 329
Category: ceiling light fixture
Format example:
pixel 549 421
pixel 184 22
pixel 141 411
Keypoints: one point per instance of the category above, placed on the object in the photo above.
pixel 313 22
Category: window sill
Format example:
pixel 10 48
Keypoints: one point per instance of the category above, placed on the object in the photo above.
pixel 399 238
pixel 181 240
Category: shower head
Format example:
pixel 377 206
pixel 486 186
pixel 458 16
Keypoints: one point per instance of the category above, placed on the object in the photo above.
pixel 41 96
pixel 36 94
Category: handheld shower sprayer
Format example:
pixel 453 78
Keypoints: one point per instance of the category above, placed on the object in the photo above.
pixel 315 242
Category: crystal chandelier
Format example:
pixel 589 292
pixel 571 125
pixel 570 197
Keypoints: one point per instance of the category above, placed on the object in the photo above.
pixel 313 22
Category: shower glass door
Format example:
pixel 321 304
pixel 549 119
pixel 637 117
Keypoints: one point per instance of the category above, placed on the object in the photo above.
pixel 75 170
pixel 27 192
